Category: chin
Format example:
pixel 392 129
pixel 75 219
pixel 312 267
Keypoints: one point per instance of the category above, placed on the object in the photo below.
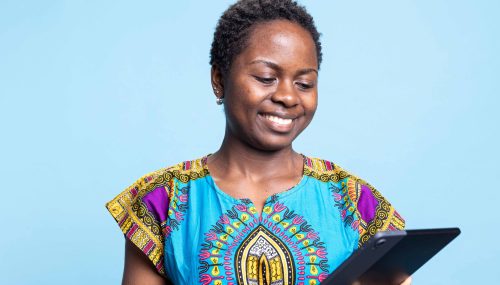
pixel 272 144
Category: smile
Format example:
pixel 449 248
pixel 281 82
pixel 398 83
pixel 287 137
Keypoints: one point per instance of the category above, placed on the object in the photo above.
pixel 278 120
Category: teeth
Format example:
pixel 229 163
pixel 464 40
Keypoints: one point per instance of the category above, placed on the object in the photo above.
pixel 278 120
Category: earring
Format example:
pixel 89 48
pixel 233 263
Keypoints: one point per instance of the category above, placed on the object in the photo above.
pixel 219 100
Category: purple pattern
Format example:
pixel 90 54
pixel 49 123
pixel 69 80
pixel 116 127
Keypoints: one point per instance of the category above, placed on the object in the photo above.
pixel 157 202
pixel 367 204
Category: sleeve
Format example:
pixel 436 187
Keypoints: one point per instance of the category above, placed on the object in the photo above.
pixel 375 213
pixel 141 211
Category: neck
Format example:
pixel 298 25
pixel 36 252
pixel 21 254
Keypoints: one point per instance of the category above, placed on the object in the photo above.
pixel 238 158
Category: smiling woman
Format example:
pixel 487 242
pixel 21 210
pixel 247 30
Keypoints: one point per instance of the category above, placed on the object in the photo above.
pixel 270 90
pixel 255 211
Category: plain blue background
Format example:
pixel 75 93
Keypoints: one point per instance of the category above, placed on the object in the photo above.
pixel 95 94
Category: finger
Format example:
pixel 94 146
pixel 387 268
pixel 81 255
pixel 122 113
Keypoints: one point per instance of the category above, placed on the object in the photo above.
pixel 407 281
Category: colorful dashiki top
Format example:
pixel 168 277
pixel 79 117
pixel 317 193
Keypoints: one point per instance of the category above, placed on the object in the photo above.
pixel 194 233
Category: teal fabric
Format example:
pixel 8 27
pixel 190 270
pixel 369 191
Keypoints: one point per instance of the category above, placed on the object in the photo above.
pixel 210 237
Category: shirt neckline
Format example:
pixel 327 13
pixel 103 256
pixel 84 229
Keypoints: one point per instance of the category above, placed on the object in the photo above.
pixel 276 196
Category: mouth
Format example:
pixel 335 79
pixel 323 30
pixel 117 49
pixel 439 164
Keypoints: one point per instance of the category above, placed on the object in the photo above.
pixel 278 120
pixel 278 123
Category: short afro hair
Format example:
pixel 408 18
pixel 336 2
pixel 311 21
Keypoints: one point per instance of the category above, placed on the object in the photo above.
pixel 234 27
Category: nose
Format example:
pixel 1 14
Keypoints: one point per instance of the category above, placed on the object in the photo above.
pixel 285 94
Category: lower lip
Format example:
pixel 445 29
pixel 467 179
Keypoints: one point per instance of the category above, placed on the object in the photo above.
pixel 280 128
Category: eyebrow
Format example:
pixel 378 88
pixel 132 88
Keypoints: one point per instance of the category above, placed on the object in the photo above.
pixel 275 66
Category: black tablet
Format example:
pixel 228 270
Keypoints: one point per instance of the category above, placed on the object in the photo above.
pixel 390 257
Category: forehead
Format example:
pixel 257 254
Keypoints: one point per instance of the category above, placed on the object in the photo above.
pixel 283 42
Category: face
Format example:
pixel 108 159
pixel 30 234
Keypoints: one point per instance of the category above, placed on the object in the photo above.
pixel 270 91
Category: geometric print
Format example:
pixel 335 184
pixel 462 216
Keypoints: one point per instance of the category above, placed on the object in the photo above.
pixel 279 247
pixel 240 246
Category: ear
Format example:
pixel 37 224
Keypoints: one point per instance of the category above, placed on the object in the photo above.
pixel 217 81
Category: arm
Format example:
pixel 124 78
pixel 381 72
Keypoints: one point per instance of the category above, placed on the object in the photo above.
pixel 375 214
pixel 138 268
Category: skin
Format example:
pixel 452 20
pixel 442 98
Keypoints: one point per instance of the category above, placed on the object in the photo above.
pixel 138 269
pixel 279 78
pixel 275 76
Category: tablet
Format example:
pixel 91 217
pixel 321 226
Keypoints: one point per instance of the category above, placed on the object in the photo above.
pixel 390 257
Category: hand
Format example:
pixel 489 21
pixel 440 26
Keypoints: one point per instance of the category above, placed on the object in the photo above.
pixel 407 281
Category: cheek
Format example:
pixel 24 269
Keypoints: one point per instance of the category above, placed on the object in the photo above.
pixel 245 98
pixel 310 104
pixel 238 107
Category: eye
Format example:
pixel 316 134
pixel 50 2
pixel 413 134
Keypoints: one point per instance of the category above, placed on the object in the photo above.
pixel 304 86
pixel 265 80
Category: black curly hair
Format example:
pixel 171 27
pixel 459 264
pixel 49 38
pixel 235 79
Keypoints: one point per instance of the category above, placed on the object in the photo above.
pixel 234 27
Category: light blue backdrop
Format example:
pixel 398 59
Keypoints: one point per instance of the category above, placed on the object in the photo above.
pixel 95 94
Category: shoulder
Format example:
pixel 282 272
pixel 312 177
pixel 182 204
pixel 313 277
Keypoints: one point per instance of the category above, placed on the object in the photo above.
pixel 167 176
pixel 324 170
pixel 373 209
pixel 142 209
pixel 328 171
pixel 182 171
pixel 150 194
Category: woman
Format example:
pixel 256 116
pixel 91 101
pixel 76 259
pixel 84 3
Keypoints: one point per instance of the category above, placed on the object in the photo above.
pixel 255 211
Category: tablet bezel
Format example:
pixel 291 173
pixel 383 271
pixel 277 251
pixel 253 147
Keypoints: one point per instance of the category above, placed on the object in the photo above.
pixel 392 253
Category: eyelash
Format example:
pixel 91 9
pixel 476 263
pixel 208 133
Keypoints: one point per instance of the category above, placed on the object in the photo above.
pixel 271 80
pixel 265 80
pixel 304 86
